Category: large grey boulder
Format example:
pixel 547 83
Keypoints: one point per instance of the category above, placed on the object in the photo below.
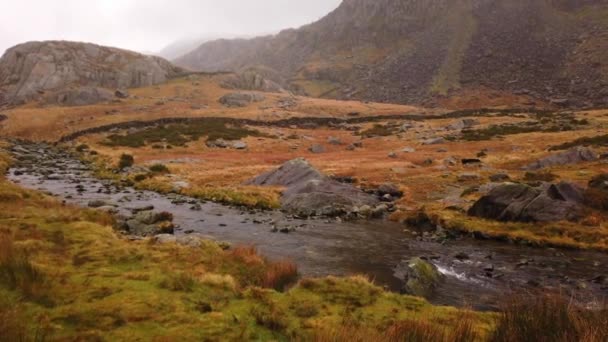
pixel 241 99
pixel 524 203
pixel 310 193
pixel 573 156
pixel 250 80
pixel 31 69
pixel 81 96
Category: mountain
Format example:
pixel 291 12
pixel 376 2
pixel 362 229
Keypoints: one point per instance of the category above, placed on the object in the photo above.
pixel 33 69
pixel 412 51
pixel 183 46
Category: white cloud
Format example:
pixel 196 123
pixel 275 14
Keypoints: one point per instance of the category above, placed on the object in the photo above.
pixel 149 25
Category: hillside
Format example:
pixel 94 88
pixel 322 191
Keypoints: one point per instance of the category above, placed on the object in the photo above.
pixel 536 52
pixel 31 70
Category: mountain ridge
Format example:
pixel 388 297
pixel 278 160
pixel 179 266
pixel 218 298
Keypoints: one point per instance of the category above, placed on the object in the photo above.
pixel 421 52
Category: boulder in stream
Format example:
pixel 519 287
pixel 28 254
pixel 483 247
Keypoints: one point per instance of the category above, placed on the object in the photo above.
pixel 310 193
pixel 421 278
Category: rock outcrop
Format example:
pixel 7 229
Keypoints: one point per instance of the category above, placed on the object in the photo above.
pixel 572 156
pixel 310 193
pixel 30 70
pixel 250 80
pixel 240 99
pixel 81 96
pixel 413 51
pixel 524 203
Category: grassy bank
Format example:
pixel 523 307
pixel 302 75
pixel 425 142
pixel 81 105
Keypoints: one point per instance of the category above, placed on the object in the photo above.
pixel 66 275
pixel 239 195
pixel 585 235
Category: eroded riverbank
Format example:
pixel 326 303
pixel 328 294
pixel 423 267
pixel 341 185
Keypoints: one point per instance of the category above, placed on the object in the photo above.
pixel 478 273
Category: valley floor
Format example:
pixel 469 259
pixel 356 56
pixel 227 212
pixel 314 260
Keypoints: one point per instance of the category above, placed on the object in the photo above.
pixel 65 274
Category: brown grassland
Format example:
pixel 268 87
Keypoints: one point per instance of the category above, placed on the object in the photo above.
pixel 66 275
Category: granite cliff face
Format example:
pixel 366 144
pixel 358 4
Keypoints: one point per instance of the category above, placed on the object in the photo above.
pixel 419 51
pixel 32 70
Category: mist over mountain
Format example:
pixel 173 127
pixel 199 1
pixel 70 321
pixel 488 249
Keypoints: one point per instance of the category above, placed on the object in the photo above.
pixel 410 51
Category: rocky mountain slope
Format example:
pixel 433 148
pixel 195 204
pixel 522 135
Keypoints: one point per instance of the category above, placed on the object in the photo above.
pixel 34 69
pixel 411 51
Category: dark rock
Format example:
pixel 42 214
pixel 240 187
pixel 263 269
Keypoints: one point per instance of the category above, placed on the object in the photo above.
pixel 121 93
pixel 389 189
pixel 461 256
pixel 471 161
pixel 523 203
pixel 98 204
pixel 316 148
pixel 572 156
pixel 499 177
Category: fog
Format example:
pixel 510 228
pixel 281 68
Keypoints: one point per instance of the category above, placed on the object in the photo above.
pixel 150 25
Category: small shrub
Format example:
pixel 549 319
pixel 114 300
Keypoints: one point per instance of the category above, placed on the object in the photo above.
pixel 600 140
pixel 182 282
pixel 126 160
pixel 159 168
pixel 270 317
pixel 82 147
pixel 18 273
pixel 140 177
pixel 280 275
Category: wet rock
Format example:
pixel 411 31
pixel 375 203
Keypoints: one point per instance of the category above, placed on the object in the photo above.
pixel 310 193
pixel 316 148
pixel 572 156
pixel 147 223
pixel 461 256
pixel 421 278
pixel 98 204
pixel 523 203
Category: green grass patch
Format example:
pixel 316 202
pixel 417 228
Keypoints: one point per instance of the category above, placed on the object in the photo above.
pixel 181 134
pixel 600 140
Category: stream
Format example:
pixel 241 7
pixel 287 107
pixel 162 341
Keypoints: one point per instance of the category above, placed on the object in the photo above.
pixel 478 273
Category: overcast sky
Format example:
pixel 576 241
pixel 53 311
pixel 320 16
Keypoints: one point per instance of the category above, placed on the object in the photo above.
pixel 150 25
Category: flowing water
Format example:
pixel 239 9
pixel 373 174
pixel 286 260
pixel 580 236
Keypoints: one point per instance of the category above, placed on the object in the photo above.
pixel 483 274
